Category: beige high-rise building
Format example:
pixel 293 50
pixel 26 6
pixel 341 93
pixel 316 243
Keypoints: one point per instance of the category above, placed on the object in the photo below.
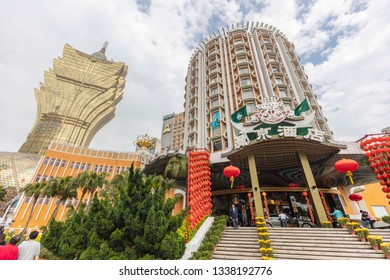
pixel 172 134
pixel 250 65
pixel 78 98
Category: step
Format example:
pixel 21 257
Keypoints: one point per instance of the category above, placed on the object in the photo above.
pixel 318 238
pixel 364 250
pixel 331 255
pixel 314 257
pixel 275 243
pixel 228 257
pixel 248 248
pixel 238 253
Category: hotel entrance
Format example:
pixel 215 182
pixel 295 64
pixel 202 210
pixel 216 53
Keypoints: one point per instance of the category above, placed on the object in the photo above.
pixel 294 204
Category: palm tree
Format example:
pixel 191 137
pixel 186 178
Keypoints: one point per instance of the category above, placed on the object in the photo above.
pixel 63 189
pixel 90 182
pixel 3 193
pixel 33 190
pixel 176 168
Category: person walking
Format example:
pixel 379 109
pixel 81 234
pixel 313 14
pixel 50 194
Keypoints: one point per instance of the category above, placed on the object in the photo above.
pixel 283 219
pixel 30 249
pixel 234 215
pixel 10 251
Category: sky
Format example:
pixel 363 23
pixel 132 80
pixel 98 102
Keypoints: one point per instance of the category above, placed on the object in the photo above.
pixel 343 46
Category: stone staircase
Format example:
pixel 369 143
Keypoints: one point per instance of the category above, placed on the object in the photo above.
pixel 320 244
pixel 385 233
pixel 298 244
pixel 238 244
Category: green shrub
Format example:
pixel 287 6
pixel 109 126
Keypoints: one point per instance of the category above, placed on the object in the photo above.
pixel 386 219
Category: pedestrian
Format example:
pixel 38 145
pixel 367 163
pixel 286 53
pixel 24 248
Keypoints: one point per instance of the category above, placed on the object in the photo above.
pixel 30 249
pixel 10 251
pixel 244 216
pixel 365 219
pixel 2 239
pixel 337 213
pixel 234 216
pixel 283 219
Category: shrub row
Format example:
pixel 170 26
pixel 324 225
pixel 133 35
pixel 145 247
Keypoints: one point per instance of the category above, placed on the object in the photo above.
pixel 211 239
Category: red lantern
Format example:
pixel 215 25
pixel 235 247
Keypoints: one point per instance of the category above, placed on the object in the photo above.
pixel 386 190
pixel 355 197
pixel 231 172
pixel 348 166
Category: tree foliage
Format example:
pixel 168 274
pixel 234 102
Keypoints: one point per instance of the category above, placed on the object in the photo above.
pixel 133 220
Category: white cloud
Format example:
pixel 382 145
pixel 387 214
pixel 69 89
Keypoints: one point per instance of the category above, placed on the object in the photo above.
pixel 156 42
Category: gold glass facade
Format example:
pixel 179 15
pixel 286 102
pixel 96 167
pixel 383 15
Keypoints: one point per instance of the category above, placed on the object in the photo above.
pixel 78 98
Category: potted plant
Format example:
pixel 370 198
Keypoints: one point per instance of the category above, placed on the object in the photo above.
pixel 264 243
pixel 375 241
pixel 326 224
pixel 343 221
pixel 362 233
pixel 266 252
pixel 386 249
pixel 351 226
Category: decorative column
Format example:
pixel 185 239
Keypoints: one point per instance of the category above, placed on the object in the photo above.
pixel 325 206
pixel 320 214
pixel 255 186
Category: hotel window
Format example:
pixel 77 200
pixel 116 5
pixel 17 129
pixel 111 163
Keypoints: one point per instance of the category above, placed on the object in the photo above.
pixel 272 58
pixel 105 168
pixel 44 178
pixel 243 70
pixel 58 162
pixel 282 93
pixel 214 102
pixel 214 91
pixel 247 94
pixel 63 163
pixel 118 170
pixel 380 211
pixel 46 160
pixel 88 166
pixel 52 161
pixel 241 59
pixel 213 70
pixel 110 170
pixel 47 200
pixel 77 165
pixel 75 202
pixel 217 145
pixel 279 81
pixel 38 178
pixel 240 50
pixel 251 107
pixel 245 82
pixel 27 200
pixel 83 166
pixel 238 41
pixel 96 168
pixel 57 201
pixel 216 130
pixel 72 164
pixel 101 168
pixel 275 69
pixel 40 201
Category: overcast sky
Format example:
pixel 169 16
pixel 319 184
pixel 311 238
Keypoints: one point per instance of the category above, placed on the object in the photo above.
pixel 343 45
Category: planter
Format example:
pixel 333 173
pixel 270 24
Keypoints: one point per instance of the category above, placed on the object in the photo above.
pixel 388 257
pixel 343 226
pixel 363 239
pixel 375 247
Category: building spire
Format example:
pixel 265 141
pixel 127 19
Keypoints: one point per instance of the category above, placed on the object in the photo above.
pixel 100 54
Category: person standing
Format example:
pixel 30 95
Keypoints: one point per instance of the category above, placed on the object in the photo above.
pixel 283 219
pixel 234 215
pixel 10 251
pixel 244 216
pixel 30 249
pixel 365 219
pixel 337 213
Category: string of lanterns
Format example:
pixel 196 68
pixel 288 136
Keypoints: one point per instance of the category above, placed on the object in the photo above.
pixel 325 206
pixel 199 186
pixel 251 208
pixel 264 194
pixel 308 206
pixel 377 151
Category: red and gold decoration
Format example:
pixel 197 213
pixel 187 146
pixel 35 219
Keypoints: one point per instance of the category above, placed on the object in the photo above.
pixel 264 194
pixel 199 186
pixel 377 151
pixel 348 166
pixel 231 172
pixel 355 197
pixel 308 206
pixel 325 206
pixel 293 186
pixel 251 208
